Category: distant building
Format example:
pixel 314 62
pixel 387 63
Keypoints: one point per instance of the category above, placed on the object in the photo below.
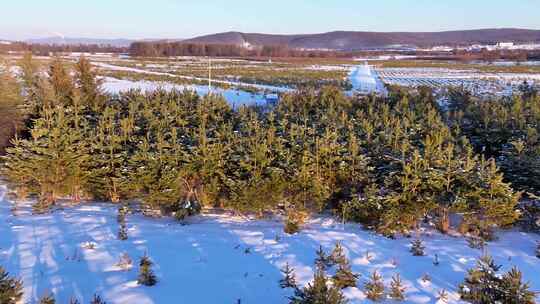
pixel 505 45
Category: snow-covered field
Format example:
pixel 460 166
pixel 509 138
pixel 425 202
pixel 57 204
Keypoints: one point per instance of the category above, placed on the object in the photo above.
pixel 478 83
pixel 235 97
pixel 219 259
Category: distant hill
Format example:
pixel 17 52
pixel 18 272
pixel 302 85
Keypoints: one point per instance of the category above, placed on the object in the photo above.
pixel 79 41
pixel 349 40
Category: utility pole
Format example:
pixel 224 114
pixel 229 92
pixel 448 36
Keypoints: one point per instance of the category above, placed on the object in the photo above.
pixel 209 75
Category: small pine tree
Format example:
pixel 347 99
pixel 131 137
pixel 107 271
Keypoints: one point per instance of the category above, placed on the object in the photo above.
pixel 374 287
pixel 122 212
pixel 322 260
pixel 291 227
pixel 318 292
pixel 146 274
pixel 122 233
pixel 436 261
pixel 96 299
pixel 481 284
pixel 47 299
pixel 125 261
pixel 338 255
pixel 442 296
pixel 11 289
pixel 476 242
pixel 344 276
pixel 289 281
pixel 514 290
pixel 417 248
pixel 74 300
pixel 397 290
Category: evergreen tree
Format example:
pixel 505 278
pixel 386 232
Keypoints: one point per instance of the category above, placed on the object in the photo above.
pixel 374 288
pixel 482 284
pixel 318 292
pixel 442 296
pixel 322 260
pixel 96 299
pixel 122 232
pixel 344 277
pixel 417 248
pixel 11 289
pixel 61 82
pixel 492 202
pixel 337 257
pixel 47 299
pixel 514 291
pixel 397 290
pixel 109 157
pixel 289 279
pixel 12 110
pixel 88 84
pixel 74 300
pixel 146 274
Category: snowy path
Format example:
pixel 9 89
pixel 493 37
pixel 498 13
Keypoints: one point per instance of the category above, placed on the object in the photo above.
pixel 221 260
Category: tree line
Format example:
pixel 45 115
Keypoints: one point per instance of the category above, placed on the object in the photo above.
pixel 168 49
pixel 47 49
pixel 387 162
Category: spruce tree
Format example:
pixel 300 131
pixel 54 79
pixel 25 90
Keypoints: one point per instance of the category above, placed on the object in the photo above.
pixel 482 283
pixel 442 296
pixel 11 289
pixel 397 290
pixel 122 232
pixel 47 299
pixel 344 277
pixel 12 108
pixel 417 248
pixel 319 291
pixel 289 279
pixel 74 300
pixel 338 255
pixel 322 260
pixel 374 288
pixel 96 299
pixel 514 291
pixel 146 274
pixel 492 202
pixel 89 85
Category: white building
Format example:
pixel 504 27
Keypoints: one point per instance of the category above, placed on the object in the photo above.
pixel 505 45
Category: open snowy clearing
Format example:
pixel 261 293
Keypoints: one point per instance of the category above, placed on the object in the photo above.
pixel 218 259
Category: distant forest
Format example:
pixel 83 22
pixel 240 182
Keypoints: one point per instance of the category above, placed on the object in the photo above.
pixel 46 49
pixel 169 49
pixel 157 49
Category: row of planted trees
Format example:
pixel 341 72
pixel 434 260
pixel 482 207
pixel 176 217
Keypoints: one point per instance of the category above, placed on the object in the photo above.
pixel 389 162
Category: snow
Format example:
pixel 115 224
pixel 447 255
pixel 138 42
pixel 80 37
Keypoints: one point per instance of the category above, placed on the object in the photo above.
pixel 365 80
pixel 479 83
pixel 231 83
pixel 235 97
pixel 222 259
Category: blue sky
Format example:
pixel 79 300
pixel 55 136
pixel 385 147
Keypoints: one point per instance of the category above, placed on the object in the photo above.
pixel 21 19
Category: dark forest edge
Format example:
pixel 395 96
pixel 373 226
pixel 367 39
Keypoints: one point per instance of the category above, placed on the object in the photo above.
pixel 389 163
